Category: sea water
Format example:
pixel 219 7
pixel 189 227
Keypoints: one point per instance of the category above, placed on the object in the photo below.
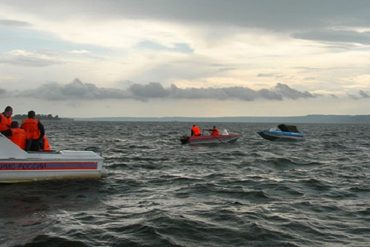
pixel 158 192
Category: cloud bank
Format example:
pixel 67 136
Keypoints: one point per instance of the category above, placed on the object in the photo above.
pixel 319 20
pixel 275 15
pixel 78 90
pixel 75 90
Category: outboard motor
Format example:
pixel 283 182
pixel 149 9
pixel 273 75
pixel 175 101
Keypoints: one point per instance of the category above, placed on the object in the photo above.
pixel 184 139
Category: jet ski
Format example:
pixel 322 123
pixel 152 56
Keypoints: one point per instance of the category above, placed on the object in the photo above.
pixel 283 132
pixel 224 137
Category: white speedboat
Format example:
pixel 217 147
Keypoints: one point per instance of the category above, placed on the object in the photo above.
pixel 17 165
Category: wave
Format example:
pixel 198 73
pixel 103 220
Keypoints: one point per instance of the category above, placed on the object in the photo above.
pixel 161 193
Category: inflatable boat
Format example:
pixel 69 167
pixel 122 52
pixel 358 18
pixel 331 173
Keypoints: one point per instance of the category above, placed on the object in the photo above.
pixel 17 165
pixel 283 132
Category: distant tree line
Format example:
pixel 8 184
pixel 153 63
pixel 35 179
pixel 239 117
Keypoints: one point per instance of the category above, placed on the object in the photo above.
pixel 38 116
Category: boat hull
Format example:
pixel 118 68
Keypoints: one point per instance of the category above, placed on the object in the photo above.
pixel 28 171
pixel 210 139
pixel 281 135
pixel 16 165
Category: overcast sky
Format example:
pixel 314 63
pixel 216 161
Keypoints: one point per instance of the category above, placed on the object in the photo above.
pixel 185 58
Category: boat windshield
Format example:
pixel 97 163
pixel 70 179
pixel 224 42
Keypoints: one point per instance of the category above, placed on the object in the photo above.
pixel 225 132
pixel 288 128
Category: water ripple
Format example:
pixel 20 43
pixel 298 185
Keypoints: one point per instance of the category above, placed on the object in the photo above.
pixel 161 193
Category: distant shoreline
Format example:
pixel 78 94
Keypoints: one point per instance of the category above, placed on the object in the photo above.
pixel 43 117
pixel 354 119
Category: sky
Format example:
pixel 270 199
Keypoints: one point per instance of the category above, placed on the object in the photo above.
pixel 204 58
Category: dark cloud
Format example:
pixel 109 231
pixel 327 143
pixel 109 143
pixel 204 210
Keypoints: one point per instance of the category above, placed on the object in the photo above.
pixel 151 90
pixel 74 90
pixel 14 23
pixel 336 36
pixel 267 14
pixel 279 92
pixel 360 95
pixel 310 20
pixel 286 92
pixel 78 90
pixel 364 94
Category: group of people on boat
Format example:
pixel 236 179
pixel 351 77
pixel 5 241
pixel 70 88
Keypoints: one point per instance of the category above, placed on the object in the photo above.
pixel 196 131
pixel 30 135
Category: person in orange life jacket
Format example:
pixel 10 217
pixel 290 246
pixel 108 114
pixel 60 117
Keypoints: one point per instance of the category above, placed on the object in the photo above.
pixel 195 131
pixel 5 121
pixel 46 144
pixel 214 131
pixel 18 135
pixel 35 132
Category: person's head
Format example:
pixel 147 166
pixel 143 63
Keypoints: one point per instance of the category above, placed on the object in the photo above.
pixel 31 114
pixel 214 127
pixel 8 111
pixel 14 124
pixel 193 125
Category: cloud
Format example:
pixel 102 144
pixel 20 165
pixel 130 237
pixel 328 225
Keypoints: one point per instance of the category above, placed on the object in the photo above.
pixel 340 36
pixel 241 93
pixel 359 95
pixel 14 23
pixel 151 90
pixel 75 90
pixel 266 75
pixel 78 90
pixel 80 52
pixel 363 94
pixel 27 58
pixel 176 47
pixel 279 92
pixel 274 15
pixel 286 92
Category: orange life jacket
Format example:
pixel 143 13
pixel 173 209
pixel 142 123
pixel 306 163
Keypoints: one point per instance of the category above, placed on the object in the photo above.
pixel 31 127
pixel 215 132
pixel 5 122
pixel 196 131
pixel 47 146
pixel 18 137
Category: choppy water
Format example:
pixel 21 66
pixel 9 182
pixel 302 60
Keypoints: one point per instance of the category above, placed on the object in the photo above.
pixel 161 193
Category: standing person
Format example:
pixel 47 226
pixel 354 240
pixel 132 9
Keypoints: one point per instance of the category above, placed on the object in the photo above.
pixel 18 135
pixel 195 131
pixel 5 121
pixel 35 132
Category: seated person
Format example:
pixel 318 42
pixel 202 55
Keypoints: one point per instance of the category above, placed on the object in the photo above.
pixel 34 132
pixel 5 121
pixel 18 135
pixel 214 131
pixel 195 131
